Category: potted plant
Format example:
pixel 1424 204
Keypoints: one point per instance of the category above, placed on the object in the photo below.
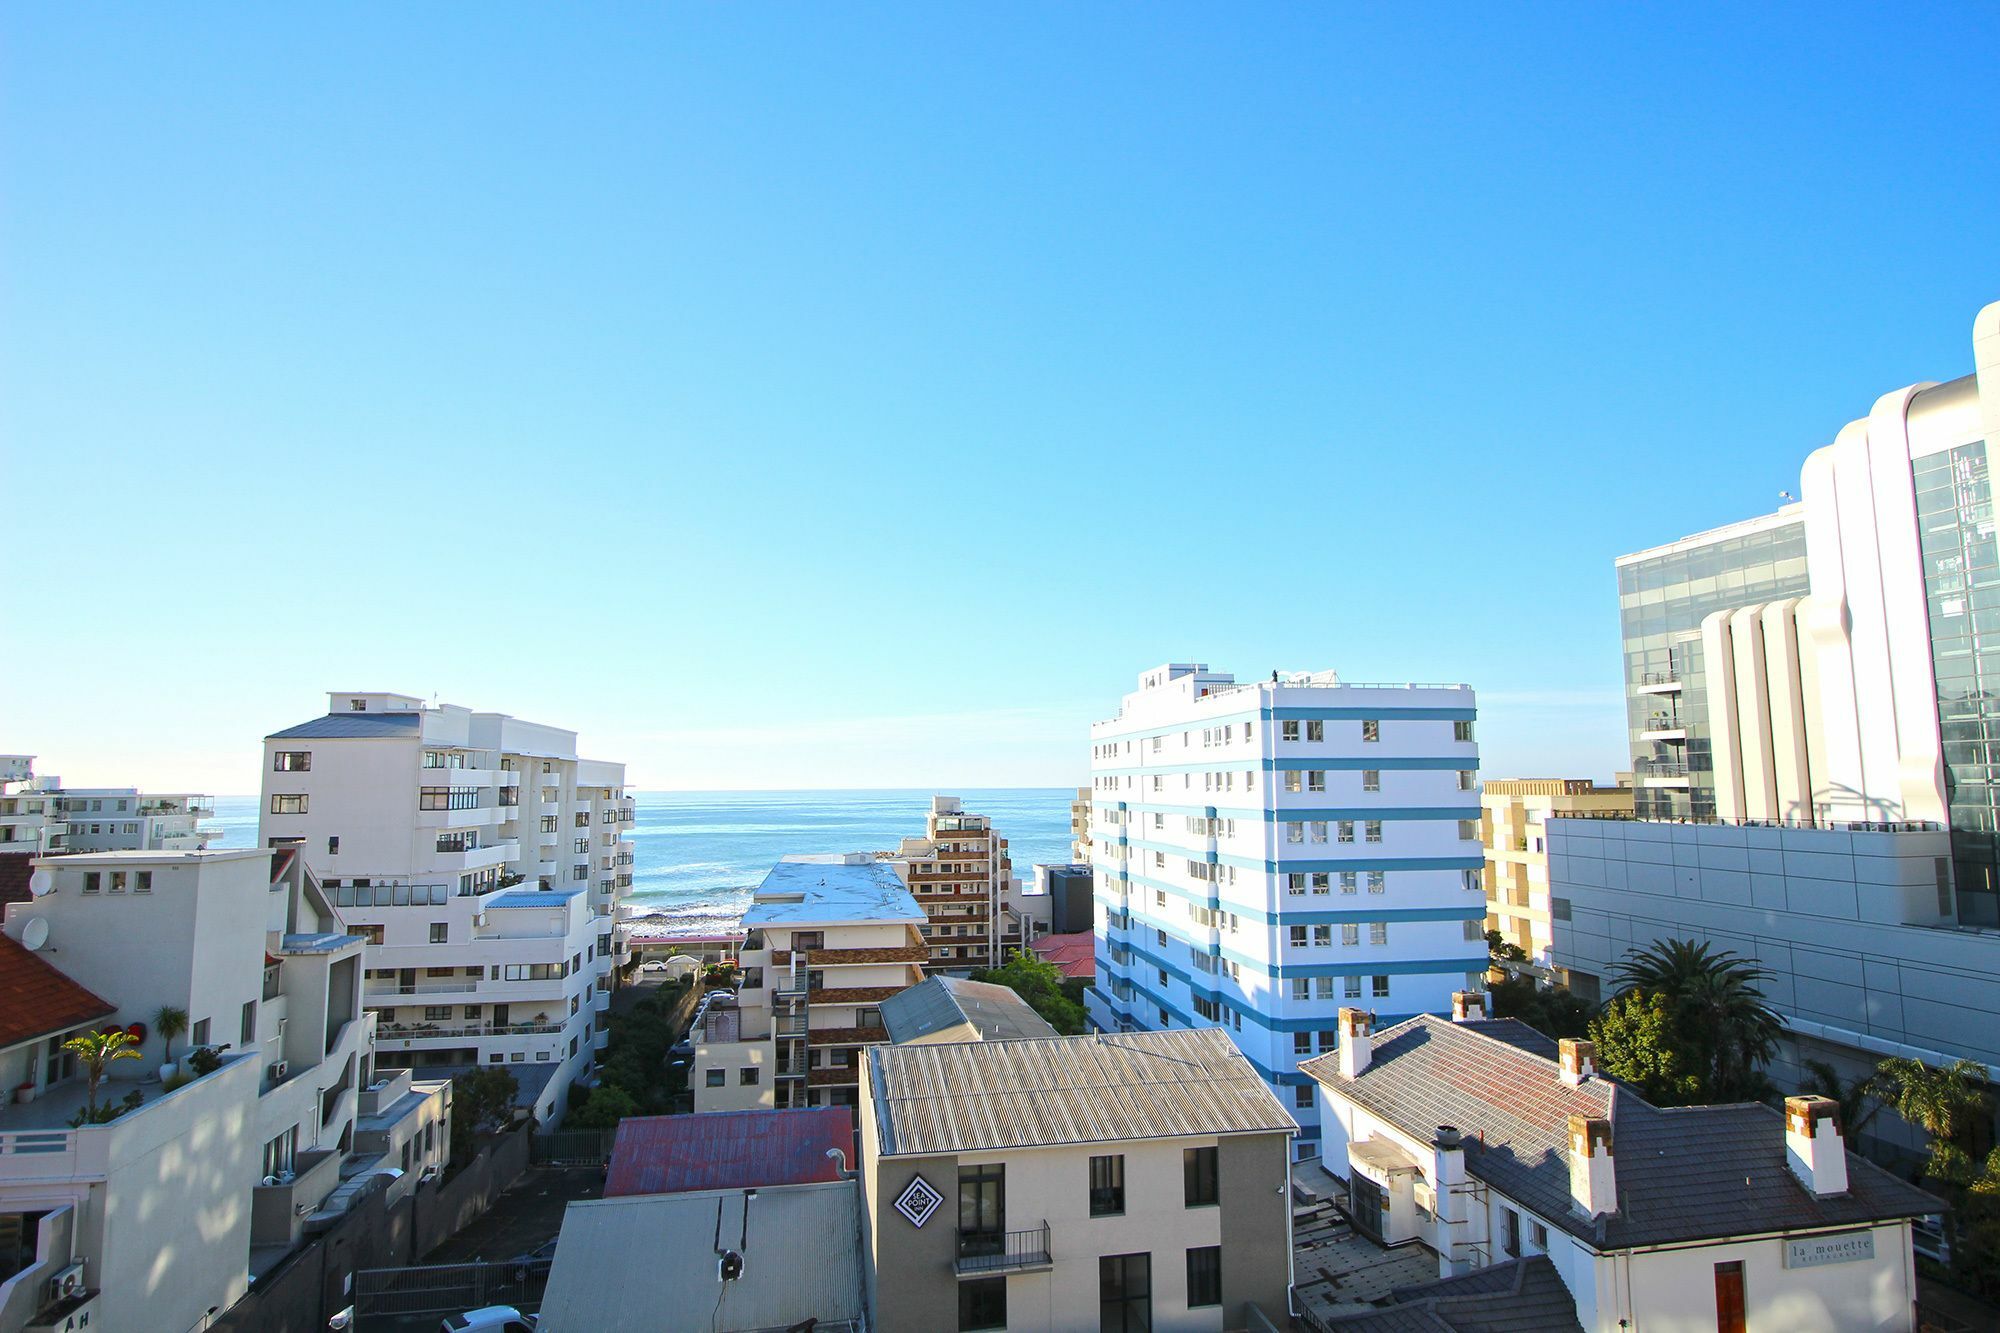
pixel 97 1050
pixel 25 1093
pixel 170 1023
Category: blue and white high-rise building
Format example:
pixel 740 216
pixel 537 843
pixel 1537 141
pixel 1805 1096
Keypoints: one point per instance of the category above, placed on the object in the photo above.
pixel 1266 853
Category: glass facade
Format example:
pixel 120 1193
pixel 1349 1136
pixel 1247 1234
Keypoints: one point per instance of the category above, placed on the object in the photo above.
pixel 1662 601
pixel 1962 589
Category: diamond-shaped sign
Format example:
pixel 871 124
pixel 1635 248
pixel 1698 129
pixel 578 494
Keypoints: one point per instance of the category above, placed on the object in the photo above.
pixel 918 1201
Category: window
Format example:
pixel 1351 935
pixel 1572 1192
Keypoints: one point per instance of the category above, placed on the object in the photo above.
pixel 982 1210
pixel 717 1077
pixel 1107 1186
pixel 1291 779
pixel 1378 932
pixel 1474 930
pixel 1301 988
pixel 1323 937
pixel 291 761
pixel 1315 779
pixel 118 881
pixel 1295 832
pixel 1348 879
pixel 1350 933
pixel 288 803
pixel 1344 830
pixel 982 1304
pixel 1302 1097
pixel 1297 936
pixel 1371 729
pixel 142 881
pixel 1315 731
pixel 437 1013
pixel 198 1034
pixel 1538 1235
pixel 1371 779
pixel 1322 882
pixel 1468 830
pixel 440 931
pixel 357 705
pixel 92 881
pixel 1378 881
pixel 1729 1303
pixel 1323 988
pixel 1353 988
pixel 1461 731
pixel 1510 1232
pixel 1295 884
pixel 1329 1041
pixel 1204 1275
pixel 248 1030
pixel 1302 1043
pixel 1288 731
pixel 747 1076
pixel 333 846
pixel 1381 988
pixel 1198 1176
pixel 1371 831
pixel 1465 779
pixel 1124 1293
pixel 278 1152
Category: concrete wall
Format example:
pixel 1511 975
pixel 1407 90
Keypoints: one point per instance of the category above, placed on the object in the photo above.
pixel 1675 1289
pixel 1254 1174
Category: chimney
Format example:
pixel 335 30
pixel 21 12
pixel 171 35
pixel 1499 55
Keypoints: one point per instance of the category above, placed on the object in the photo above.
pixel 1447 1184
pixel 1814 1147
pixel 1593 1185
pixel 1577 1060
pixel 1467 1005
pixel 1357 1042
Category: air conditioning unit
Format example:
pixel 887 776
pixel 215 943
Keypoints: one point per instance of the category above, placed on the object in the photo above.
pixel 479 920
pixel 66 1283
pixel 280 1068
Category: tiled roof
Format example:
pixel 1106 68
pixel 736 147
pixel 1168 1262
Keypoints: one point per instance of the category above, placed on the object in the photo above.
pixel 971 1096
pixel 36 1000
pixel 1522 1296
pixel 15 867
pixel 1074 954
pixel 671 1154
pixel 1683 1173
pixel 995 1012
pixel 348 726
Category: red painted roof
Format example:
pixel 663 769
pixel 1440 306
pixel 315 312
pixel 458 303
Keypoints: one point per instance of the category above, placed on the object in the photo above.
pixel 719 1150
pixel 1075 954
pixel 15 867
pixel 36 1000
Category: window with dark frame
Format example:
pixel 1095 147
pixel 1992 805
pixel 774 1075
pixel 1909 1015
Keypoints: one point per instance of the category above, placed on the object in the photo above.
pixel 1204 1275
pixel 1199 1186
pixel 982 1304
pixel 1125 1293
pixel 1107 1185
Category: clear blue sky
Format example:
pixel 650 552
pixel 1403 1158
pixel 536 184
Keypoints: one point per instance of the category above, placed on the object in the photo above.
pixel 799 396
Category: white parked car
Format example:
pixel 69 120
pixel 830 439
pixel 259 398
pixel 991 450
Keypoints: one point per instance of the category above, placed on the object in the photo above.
pixel 490 1319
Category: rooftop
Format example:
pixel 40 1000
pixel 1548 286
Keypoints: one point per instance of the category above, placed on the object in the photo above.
pixel 673 1154
pixel 551 897
pixel 1074 954
pixel 972 1096
pixel 1683 1173
pixel 38 1000
pixel 800 1246
pixel 808 893
pixel 942 1003
pixel 1522 1296
pixel 347 726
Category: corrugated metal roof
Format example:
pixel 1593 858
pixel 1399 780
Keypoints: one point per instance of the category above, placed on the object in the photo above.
pixel 995 1012
pixel 341 726
pixel 638 1265
pixel 670 1154
pixel 969 1096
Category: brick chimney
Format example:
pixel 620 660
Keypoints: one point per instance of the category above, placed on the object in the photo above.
pixel 1467 1005
pixel 1357 1041
pixel 1576 1060
pixel 1593 1184
pixel 1814 1146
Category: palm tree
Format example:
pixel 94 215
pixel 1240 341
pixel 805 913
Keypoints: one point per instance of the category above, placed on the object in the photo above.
pixel 1719 1010
pixel 1856 1097
pixel 1943 1101
pixel 97 1050
pixel 170 1023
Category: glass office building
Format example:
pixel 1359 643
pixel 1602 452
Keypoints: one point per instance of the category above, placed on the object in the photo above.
pixel 1663 596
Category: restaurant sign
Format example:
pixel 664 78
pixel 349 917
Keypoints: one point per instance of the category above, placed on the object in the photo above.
pixel 1847 1247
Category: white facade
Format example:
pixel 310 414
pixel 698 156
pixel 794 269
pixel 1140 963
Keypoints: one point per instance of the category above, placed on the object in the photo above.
pixel 483 859
pixel 173 1205
pixel 1266 853
pixel 39 815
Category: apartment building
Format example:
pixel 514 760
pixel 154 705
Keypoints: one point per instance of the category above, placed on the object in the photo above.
pixel 483 860
pixel 1491 1147
pixel 1116 1182
pixel 1265 853
pixel 38 815
pixel 273 1140
pixel 1823 670
pixel 1514 812
pixel 1079 826
pixel 963 877
pixel 829 938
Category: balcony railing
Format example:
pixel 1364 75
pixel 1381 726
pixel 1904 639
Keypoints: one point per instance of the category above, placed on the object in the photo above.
pixel 984 1252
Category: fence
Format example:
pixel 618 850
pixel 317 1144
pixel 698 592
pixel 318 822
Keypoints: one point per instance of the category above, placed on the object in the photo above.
pixel 390 1297
pixel 574 1147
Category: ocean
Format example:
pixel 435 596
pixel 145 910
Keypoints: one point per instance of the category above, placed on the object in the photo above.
pixel 698 855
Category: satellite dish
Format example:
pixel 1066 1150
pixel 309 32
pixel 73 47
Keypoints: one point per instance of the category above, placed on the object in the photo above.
pixel 42 882
pixel 35 934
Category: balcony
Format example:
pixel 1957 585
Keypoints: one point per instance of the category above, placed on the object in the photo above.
pixel 1659 682
pixel 984 1253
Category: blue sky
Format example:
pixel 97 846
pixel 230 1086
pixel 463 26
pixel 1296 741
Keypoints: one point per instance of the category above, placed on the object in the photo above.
pixel 793 396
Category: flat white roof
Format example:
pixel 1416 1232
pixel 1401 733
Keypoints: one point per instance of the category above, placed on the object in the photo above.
pixel 817 892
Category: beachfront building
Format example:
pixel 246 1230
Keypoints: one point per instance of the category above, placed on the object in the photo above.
pixel 1265 853
pixel 160 1217
pixel 1079 826
pixel 483 860
pixel 829 939
pixel 1123 1182
pixel 1501 1153
pixel 1824 670
pixel 38 815
pixel 1514 812
pixel 963 877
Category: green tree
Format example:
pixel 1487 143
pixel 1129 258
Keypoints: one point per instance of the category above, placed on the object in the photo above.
pixel 481 1102
pixel 1551 1010
pixel 608 1105
pixel 171 1023
pixel 97 1050
pixel 1040 983
pixel 1722 1027
pixel 1856 1097
pixel 1637 1043
pixel 1943 1101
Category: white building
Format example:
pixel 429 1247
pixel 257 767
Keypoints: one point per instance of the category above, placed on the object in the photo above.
pixel 1134 1182
pixel 1265 853
pixel 964 879
pixel 172 1206
pixel 830 938
pixel 483 860
pixel 1489 1145
pixel 38 815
